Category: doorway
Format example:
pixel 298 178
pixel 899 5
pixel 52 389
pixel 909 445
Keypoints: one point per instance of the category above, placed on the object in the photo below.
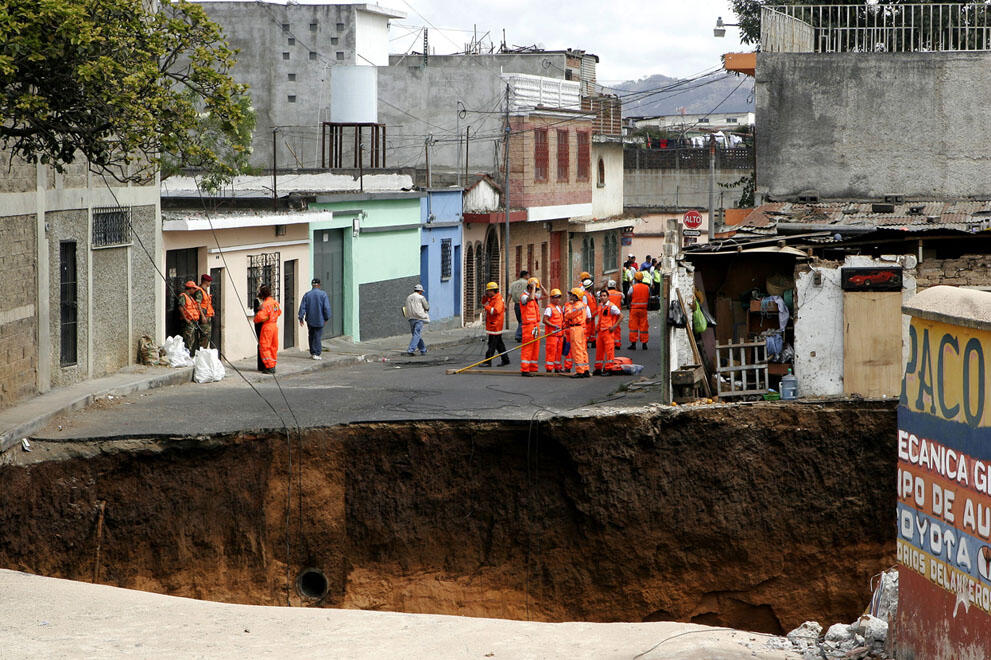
pixel 289 303
pixel 216 295
pixel 181 266
pixel 328 265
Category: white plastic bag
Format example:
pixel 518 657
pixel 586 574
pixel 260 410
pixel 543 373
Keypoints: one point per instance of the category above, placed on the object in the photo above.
pixel 207 367
pixel 176 352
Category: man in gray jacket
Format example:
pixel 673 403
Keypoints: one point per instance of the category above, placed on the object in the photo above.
pixel 314 309
pixel 416 309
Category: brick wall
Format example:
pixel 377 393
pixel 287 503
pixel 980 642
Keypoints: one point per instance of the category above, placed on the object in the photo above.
pixel 968 270
pixel 524 189
pixel 18 312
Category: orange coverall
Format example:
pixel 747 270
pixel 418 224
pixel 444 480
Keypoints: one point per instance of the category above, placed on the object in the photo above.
pixel 553 321
pixel 593 308
pixel 639 297
pixel 530 318
pixel 268 339
pixel 605 350
pixel 575 315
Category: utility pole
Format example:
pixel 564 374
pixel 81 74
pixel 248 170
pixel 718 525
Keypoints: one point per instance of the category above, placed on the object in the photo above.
pixel 462 113
pixel 712 188
pixel 505 199
pixel 275 162
pixel 426 145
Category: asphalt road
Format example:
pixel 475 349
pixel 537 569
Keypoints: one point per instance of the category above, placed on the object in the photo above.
pixel 401 388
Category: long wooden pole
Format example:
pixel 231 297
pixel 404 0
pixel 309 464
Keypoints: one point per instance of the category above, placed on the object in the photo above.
pixel 691 340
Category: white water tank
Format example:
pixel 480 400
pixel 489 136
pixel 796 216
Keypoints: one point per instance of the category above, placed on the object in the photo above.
pixel 354 94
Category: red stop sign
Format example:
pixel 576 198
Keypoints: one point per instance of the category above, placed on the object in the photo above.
pixel 693 220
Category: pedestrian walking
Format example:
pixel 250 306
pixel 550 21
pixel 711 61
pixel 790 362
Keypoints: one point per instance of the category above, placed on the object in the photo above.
pixel 189 310
pixel 268 337
pixel 417 309
pixel 495 322
pixel 314 310
pixel 516 290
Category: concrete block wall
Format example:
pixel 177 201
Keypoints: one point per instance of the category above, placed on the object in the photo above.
pixel 18 311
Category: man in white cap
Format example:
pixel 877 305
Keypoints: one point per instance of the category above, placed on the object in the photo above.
pixel 416 309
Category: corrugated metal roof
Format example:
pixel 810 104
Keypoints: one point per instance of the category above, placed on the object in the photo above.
pixel 965 215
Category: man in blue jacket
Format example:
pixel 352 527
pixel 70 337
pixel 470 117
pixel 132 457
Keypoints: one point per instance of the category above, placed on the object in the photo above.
pixel 314 308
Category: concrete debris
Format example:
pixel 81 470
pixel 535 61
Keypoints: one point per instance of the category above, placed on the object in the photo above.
pixel 884 604
pixel 839 633
pixel 805 636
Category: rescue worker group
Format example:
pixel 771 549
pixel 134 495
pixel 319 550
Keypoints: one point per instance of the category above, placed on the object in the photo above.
pixel 589 319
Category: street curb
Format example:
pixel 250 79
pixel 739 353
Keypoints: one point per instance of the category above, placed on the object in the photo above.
pixel 12 436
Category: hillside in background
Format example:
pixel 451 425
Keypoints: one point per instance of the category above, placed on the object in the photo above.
pixel 649 96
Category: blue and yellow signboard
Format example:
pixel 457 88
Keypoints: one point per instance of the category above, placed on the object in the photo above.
pixel 944 482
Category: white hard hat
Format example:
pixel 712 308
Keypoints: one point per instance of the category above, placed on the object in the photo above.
pixel 611 284
pixel 587 283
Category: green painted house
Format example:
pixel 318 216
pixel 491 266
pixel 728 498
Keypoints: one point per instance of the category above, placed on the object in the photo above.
pixel 368 258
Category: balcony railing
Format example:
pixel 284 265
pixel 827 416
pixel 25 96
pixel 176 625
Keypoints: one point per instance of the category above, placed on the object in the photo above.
pixel 875 28
pixel 735 158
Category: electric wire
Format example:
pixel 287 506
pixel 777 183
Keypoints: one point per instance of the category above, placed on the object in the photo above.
pixel 170 291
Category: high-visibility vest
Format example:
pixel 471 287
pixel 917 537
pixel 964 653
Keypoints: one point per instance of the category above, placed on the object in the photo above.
pixel 495 314
pixel 188 307
pixel 626 275
pixel 609 318
pixel 530 310
pixel 657 276
pixel 553 318
pixel 616 297
pixel 206 304
pixel 639 296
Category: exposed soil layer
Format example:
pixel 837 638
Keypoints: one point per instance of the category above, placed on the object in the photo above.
pixel 756 517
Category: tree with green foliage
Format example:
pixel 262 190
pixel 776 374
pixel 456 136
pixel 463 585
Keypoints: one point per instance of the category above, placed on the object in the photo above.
pixel 129 90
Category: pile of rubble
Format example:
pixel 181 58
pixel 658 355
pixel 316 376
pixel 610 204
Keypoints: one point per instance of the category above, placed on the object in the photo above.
pixel 864 638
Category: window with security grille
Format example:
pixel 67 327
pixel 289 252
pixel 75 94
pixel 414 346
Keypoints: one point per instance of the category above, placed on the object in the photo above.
pixel 263 269
pixel 583 156
pixel 563 156
pixel 111 226
pixel 445 259
pixel 540 154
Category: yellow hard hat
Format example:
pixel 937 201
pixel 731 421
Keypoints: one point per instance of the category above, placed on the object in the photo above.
pixel 534 281
pixel 555 293
pixel 577 292
pixel 491 286
pixel 584 275
pixel 638 275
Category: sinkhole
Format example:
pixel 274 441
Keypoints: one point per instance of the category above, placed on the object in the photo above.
pixel 754 516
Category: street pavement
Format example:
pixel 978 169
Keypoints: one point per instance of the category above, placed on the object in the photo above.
pixel 367 382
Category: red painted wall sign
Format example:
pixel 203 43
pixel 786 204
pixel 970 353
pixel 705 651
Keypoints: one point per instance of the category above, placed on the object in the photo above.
pixel 692 220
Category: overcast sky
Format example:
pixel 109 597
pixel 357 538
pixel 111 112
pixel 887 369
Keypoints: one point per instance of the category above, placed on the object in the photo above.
pixel 633 38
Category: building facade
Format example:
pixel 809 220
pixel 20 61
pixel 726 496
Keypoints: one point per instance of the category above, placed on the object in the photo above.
pixel 85 254
pixel 440 255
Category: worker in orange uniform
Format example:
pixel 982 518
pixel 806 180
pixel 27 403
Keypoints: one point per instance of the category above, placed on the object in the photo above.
pixel 553 330
pixel 495 319
pixel 638 296
pixel 189 309
pixel 205 300
pixel 616 298
pixel 609 319
pixel 268 337
pixel 530 318
pixel 575 316
pixel 593 308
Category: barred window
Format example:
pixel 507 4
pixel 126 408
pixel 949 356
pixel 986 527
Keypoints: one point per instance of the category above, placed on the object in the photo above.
pixel 263 269
pixel 111 226
pixel 540 154
pixel 445 259
pixel 583 153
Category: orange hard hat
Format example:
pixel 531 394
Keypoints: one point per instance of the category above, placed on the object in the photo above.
pixel 190 284
pixel 534 281
pixel 577 292
pixel 638 275
pixel 555 293
pixel 584 275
